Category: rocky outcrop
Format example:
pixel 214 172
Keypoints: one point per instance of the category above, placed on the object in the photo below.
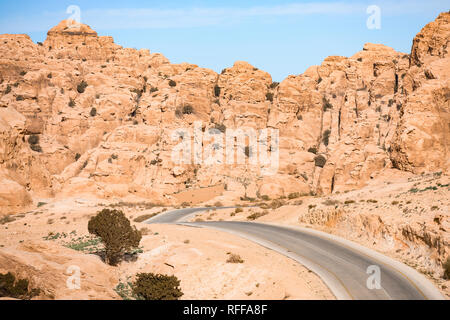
pixel 104 115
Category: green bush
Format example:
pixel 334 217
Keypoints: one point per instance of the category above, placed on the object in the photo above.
pixel 269 96
pixel 8 89
pixel 115 230
pixel 172 83
pixel 33 139
pixel 217 91
pixel 82 86
pixel 274 85
pixel 235 258
pixel 150 286
pixel 188 109
pixel 326 137
pixel 93 112
pixel 320 161
pixel 71 103
pixel 221 127
pixel 18 289
pixel 447 268
pixel 326 104
pixel 312 150
pixel 20 98
pixel 293 195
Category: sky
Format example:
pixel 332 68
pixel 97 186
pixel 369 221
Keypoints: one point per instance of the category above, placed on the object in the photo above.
pixel 281 37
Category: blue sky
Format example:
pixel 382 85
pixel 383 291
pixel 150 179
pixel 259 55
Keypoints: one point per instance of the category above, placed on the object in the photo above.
pixel 281 37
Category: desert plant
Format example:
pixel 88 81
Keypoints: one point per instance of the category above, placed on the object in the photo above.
pixel 217 91
pixel 312 150
pixel 188 109
pixel 320 161
pixel 72 103
pixel 172 83
pixel 293 195
pixel 150 286
pixel 238 210
pixel 33 139
pixel 257 215
pixel 446 266
pixel 93 112
pixel 326 104
pixel 234 258
pixel 269 96
pixel 77 156
pixel 20 98
pixel 81 87
pixel 8 89
pixel 221 127
pixel 274 85
pixel 16 288
pixel 115 230
pixel 326 137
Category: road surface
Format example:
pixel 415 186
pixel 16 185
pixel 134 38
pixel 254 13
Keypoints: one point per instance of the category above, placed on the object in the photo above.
pixel 349 270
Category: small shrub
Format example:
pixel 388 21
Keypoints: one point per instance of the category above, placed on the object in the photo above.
pixel 326 105
pixel 349 201
pixel 394 203
pixel 82 86
pixel 221 127
pixel 33 139
pixel 188 109
pixel 293 195
pixel 265 197
pixel 247 151
pixel 238 210
pixel 447 268
pixel 23 73
pixel 72 103
pixel 36 148
pixel 8 89
pixel 234 258
pixel 330 202
pixel 312 150
pixel 20 98
pixel 115 230
pixel 217 91
pixel 269 96
pixel 274 85
pixel 145 217
pixel 326 137
pixel 320 161
pixel 275 204
pixel 218 204
pixel 150 286
pixel 172 83
pixel 93 112
pixel 257 215
pixel 153 89
pixel 16 288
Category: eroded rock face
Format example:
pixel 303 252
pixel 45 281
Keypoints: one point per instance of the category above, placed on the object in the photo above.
pixel 103 117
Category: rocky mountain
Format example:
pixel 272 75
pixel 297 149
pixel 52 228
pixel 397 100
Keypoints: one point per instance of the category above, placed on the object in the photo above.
pixel 82 116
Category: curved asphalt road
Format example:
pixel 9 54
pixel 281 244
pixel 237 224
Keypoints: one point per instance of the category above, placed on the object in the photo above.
pixel 342 265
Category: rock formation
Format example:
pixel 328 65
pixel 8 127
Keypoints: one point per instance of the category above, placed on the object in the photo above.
pixel 82 116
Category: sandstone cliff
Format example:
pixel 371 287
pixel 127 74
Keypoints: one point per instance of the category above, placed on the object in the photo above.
pixel 82 116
